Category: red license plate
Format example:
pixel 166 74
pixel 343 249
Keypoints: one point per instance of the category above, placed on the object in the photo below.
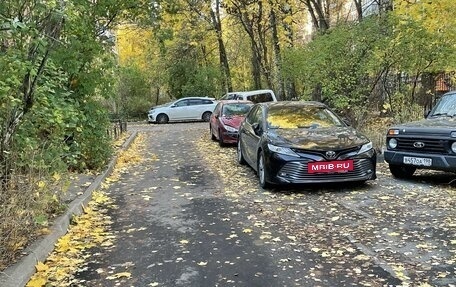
pixel 330 166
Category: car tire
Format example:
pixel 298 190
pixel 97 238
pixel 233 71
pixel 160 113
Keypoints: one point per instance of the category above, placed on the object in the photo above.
pixel 402 171
pixel 262 173
pixel 212 134
pixel 162 119
pixel 240 156
pixel 206 116
pixel 220 139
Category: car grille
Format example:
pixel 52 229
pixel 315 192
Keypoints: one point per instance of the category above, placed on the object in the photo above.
pixel 430 145
pixel 338 153
pixel 297 172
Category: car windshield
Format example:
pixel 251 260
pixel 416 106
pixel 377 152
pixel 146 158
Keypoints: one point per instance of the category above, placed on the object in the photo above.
pixel 445 107
pixel 236 109
pixel 292 117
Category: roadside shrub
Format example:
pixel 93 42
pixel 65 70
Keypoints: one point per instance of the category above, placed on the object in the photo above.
pixel 91 144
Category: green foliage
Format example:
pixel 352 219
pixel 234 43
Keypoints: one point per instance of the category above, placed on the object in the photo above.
pixel 134 92
pixel 203 83
pixel 92 138
pixel 349 66
pixel 334 65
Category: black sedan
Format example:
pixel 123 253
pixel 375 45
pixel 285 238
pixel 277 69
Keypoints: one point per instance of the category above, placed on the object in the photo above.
pixel 297 142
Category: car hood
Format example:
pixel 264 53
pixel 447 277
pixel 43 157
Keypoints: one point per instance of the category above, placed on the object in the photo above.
pixel 160 106
pixel 431 123
pixel 333 138
pixel 234 121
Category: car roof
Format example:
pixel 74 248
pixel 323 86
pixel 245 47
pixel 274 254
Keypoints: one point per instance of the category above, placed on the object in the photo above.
pixel 254 92
pixel 235 102
pixel 449 93
pixel 293 103
pixel 196 98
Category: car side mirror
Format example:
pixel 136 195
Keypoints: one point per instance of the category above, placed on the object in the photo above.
pixel 256 128
pixel 173 106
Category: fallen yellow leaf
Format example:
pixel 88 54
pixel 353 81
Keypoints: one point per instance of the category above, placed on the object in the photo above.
pixel 119 275
pixel 36 282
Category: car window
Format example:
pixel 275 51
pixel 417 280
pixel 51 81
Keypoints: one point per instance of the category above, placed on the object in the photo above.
pixel 207 102
pixel 236 109
pixel 445 107
pixel 229 97
pixel 260 98
pixel 195 102
pixel 217 109
pixel 255 115
pixel 286 117
pixel 182 103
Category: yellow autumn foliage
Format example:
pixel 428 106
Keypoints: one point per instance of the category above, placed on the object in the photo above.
pixel 436 16
pixel 132 45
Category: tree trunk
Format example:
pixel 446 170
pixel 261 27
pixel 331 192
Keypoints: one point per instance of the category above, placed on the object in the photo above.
pixel 215 16
pixel 280 87
pixel 359 9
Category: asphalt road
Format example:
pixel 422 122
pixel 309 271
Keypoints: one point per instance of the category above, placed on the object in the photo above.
pixel 188 215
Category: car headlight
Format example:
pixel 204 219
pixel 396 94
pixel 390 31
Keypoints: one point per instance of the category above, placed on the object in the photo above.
pixel 365 147
pixel 453 134
pixel 392 143
pixel 453 147
pixel 393 132
pixel 230 129
pixel 282 150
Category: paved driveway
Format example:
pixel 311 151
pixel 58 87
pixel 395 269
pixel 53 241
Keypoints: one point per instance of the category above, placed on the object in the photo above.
pixel 188 215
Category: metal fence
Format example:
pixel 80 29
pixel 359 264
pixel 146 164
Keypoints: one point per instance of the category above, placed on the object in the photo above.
pixel 118 127
pixel 423 89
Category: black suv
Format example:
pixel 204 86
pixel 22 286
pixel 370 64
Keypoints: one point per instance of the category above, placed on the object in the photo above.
pixel 428 144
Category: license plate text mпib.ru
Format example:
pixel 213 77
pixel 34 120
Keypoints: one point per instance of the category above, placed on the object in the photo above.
pixel 330 166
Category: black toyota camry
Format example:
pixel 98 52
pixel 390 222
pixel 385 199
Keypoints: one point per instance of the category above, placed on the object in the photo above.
pixel 298 142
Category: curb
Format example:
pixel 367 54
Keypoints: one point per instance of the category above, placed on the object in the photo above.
pixel 20 273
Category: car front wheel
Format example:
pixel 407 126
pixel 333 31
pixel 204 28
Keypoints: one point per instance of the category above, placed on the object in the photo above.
pixel 240 156
pixel 221 142
pixel 206 116
pixel 262 171
pixel 212 134
pixel 162 119
pixel 402 171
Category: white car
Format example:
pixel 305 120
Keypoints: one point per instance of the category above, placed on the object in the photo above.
pixel 184 109
pixel 255 96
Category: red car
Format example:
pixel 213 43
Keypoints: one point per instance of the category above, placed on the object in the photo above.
pixel 226 119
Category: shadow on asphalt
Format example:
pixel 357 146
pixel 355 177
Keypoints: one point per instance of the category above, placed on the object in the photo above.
pixel 437 178
pixel 320 187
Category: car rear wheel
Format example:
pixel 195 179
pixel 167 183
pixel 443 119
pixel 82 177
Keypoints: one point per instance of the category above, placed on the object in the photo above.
pixel 162 119
pixel 206 116
pixel 402 171
pixel 262 171
pixel 240 156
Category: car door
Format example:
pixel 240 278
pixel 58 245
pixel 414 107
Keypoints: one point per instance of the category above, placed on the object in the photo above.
pixel 178 111
pixel 215 119
pixel 251 135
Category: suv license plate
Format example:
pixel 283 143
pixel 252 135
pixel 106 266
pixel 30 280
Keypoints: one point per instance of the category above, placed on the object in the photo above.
pixel 417 161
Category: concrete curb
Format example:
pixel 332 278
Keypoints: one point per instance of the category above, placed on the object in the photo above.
pixel 20 273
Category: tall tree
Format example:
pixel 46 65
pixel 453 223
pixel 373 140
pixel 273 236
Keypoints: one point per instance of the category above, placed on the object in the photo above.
pixel 210 11
pixel 252 16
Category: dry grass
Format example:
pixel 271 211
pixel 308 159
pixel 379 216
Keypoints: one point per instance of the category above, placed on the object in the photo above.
pixel 375 130
pixel 28 204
